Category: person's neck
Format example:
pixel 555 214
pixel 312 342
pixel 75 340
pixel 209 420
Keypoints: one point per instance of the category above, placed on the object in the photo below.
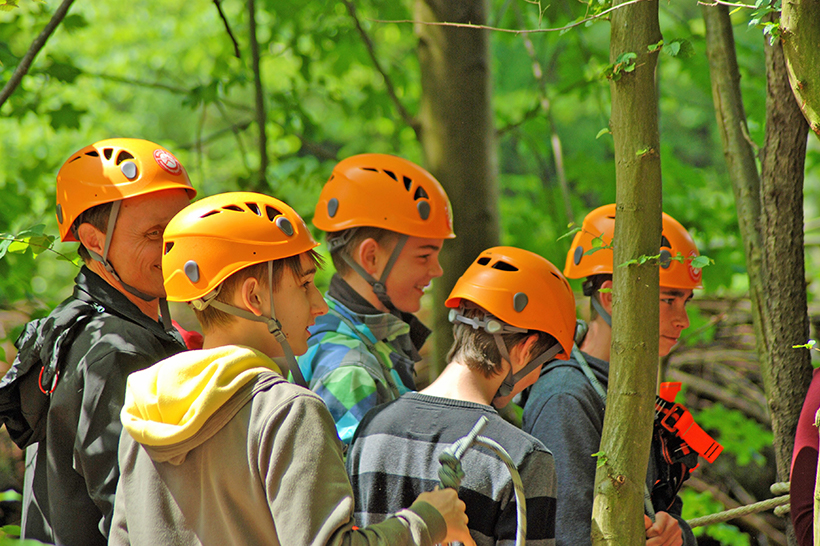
pixel 150 308
pixel 458 382
pixel 363 288
pixel 598 339
pixel 245 333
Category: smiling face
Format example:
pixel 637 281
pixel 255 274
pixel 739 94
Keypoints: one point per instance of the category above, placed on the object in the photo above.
pixel 415 267
pixel 673 317
pixel 136 245
pixel 297 303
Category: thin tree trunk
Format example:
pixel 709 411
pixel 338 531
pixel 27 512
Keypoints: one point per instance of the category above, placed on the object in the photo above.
pixel 786 371
pixel 458 138
pixel 617 514
pixel 261 115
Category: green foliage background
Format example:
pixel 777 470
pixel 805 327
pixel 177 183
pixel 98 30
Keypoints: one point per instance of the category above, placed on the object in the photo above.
pixel 166 72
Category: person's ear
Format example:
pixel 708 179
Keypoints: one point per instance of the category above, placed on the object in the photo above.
pixel 250 296
pixel 606 296
pixel 367 255
pixel 91 238
pixel 522 352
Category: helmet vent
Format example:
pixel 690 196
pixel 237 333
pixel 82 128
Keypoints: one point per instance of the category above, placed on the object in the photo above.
pixel 504 266
pixel 420 194
pixel 666 259
pixel 271 212
pixel 371 169
pixel 665 242
pixel 209 213
pixel 108 152
pixel 60 213
pixel 408 183
pixel 520 301
pixel 483 261
pixel 92 154
pixel 392 175
pixel 254 208
pixel 123 156
pixel 168 246
pixel 233 207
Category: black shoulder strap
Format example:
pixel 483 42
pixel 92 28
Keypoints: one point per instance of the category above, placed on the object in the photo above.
pixel 26 388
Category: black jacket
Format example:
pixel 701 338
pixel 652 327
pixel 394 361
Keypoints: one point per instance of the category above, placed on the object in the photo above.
pixel 71 464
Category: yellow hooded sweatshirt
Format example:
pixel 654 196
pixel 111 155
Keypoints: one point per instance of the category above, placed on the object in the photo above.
pixel 167 404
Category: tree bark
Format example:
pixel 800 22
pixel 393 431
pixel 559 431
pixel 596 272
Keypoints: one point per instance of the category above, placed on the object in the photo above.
pixel 259 95
pixel 458 138
pixel 617 514
pixel 786 371
pixel 800 29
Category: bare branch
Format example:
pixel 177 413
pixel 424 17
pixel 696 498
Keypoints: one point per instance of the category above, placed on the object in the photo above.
pixel 228 29
pixel 33 50
pixel 507 30
pixel 730 4
pixel 388 82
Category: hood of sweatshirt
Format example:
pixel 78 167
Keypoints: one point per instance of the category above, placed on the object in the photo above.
pixel 183 400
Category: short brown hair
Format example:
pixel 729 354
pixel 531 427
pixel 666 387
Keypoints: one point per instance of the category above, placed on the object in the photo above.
pixel 96 216
pixel 211 318
pixel 477 349
pixel 382 236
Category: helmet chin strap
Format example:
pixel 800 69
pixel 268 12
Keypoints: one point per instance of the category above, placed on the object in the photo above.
pixel 165 313
pixel 274 326
pixel 599 307
pixel 496 327
pixel 379 286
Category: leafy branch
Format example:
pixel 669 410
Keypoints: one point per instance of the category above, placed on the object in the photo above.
pixel 698 262
pixel 35 240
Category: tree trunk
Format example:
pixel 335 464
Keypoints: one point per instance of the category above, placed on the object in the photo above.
pixel 617 514
pixel 457 136
pixel 786 371
pixel 770 214
pixel 800 29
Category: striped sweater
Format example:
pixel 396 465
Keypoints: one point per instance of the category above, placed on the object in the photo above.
pixel 394 457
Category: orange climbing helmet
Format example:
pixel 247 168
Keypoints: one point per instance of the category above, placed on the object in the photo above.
pixel 215 237
pixel 521 289
pixel 111 170
pixel 387 192
pixel 598 229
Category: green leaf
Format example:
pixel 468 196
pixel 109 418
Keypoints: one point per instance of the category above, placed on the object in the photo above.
pixel 8 5
pixel 603 132
pixel 700 262
pixel 4 243
pixel 2 354
pixel 66 117
pixel 679 48
pixel 605 290
pixel 74 22
pixel 11 494
pixel 602 458
pixel 654 47
pixel 62 71
pixel 570 233
pixel 18 246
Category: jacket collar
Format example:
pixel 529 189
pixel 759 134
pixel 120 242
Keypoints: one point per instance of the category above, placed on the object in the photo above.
pixel 92 288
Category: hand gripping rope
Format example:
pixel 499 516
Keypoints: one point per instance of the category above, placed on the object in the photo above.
pixel 450 474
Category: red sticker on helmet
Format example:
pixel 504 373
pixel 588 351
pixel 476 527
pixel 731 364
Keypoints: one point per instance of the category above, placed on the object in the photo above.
pixel 168 162
pixel 694 273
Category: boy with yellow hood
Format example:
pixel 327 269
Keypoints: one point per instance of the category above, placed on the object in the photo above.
pixel 217 447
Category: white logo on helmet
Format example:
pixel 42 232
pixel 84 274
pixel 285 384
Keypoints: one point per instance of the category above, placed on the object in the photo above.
pixel 167 161
pixel 694 273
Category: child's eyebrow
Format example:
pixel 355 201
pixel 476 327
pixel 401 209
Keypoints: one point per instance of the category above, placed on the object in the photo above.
pixel 308 272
